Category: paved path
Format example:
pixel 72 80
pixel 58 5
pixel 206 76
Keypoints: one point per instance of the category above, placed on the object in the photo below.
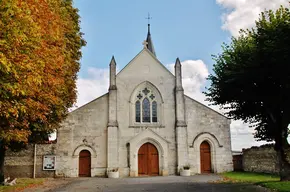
pixel 198 183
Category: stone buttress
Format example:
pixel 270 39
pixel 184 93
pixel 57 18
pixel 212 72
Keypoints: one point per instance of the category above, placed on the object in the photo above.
pixel 181 126
pixel 112 150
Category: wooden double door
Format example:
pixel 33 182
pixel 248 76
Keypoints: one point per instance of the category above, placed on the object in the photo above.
pixel 85 164
pixel 148 160
pixel 205 158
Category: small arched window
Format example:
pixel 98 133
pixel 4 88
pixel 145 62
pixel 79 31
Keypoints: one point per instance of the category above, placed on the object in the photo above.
pixel 146 107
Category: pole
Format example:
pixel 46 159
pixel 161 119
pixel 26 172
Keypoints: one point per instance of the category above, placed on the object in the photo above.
pixel 34 162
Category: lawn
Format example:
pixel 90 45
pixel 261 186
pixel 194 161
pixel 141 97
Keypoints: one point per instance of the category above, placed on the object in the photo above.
pixel 22 183
pixel 266 180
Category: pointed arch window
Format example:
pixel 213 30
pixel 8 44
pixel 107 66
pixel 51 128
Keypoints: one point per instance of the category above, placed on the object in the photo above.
pixel 146 107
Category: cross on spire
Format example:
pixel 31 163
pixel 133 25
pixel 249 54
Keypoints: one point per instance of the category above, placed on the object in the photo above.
pixel 148 43
pixel 148 18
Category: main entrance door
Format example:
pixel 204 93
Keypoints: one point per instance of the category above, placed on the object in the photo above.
pixel 148 160
pixel 205 158
pixel 85 164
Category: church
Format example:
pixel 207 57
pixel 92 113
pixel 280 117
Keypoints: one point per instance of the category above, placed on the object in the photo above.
pixel 144 126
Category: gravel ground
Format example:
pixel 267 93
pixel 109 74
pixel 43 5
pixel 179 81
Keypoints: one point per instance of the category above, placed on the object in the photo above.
pixel 197 183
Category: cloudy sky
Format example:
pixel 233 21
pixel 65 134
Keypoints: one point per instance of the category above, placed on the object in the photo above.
pixel 190 30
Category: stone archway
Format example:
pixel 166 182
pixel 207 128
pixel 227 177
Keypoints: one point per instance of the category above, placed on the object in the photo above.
pixel 148 136
pixel 81 147
pixel 148 160
pixel 213 144
pixel 76 158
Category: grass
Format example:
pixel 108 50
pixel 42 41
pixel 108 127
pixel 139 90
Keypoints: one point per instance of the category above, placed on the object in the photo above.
pixel 247 177
pixel 22 183
pixel 279 186
pixel 265 180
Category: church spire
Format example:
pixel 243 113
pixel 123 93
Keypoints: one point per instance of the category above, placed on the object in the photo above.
pixel 149 42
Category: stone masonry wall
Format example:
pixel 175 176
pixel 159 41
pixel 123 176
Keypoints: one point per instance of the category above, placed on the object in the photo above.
pixel 20 164
pixel 261 159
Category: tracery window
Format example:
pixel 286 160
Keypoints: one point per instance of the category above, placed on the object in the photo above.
pixel 146 107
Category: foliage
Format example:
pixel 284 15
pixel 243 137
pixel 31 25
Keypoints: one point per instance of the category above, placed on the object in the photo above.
pixel 266 180
pixel 40 49
pixel 252 75
pixel 252 79
pixel 40 44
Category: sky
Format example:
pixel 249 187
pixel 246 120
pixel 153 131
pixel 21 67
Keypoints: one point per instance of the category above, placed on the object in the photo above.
pixel 192 30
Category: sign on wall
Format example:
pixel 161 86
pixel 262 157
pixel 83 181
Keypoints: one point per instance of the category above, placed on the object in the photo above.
pixel 49 162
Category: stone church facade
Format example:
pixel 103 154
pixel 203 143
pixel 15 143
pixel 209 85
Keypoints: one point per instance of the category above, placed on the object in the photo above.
pixel 144 125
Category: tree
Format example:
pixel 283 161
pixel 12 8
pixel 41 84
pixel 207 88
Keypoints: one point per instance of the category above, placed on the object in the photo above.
pixel 252 80
pixel 40 50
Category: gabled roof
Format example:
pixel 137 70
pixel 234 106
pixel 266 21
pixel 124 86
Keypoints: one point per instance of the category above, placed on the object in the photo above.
pixel 152 55
pixel 207 107
pixel 77 109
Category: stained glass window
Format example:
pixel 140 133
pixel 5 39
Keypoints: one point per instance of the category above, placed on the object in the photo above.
pixel 154 111
pixel 137 108
pixel 146 111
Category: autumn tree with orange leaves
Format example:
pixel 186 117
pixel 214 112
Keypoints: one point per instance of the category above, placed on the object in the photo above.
pixel 40 50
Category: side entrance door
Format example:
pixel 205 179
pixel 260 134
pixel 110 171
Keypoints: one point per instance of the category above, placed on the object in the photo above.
pixel 148 160
pixel 205 158
pixel 85 164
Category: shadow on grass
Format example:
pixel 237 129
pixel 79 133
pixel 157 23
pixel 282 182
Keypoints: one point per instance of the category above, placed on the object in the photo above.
pixel 281 186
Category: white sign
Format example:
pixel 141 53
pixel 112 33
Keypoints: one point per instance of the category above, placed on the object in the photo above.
pixel 49 162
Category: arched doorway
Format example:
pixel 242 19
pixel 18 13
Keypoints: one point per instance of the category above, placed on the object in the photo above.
pixel 148 160
pixel 85 163
pixel 205 157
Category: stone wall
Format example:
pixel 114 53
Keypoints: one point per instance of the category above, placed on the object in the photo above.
pixel 204 124
pixel 20 164
pixel 84 129
pixel 261 159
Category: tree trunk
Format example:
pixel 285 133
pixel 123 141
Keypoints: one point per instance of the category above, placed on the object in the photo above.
pixel 2 155
pixel 284 165
pixel 281 145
